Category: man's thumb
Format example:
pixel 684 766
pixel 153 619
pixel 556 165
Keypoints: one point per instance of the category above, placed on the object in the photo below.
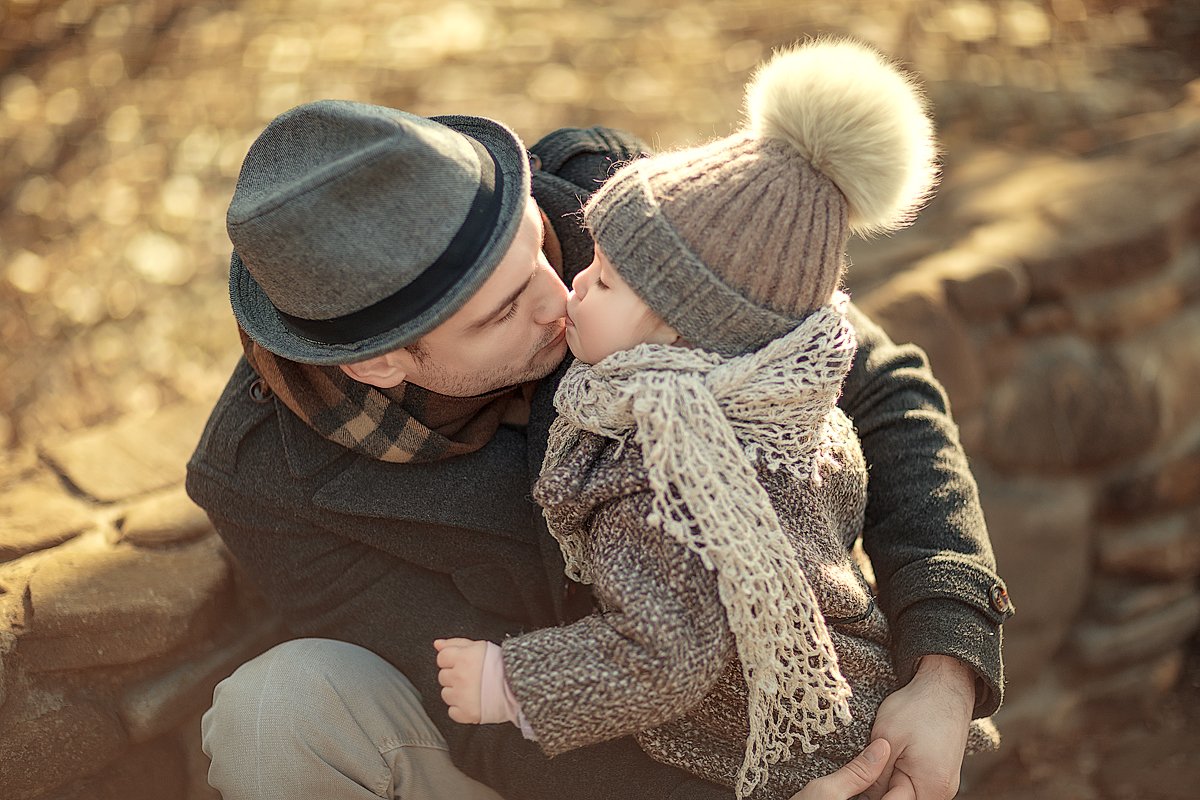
pixel 853 778
pixel 867 765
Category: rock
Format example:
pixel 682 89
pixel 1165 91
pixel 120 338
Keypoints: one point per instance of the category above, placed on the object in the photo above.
pixel 8 646
pixel 166 518
pixel 1119 600
pixel 197 762
pixel 999 350
pixel 1123 311
pixel 1166 354
pixel 875 260
pixel 132 456
pixel 1040 534
pixel 104 606
pixel 983 287
pixel 149 771
pixel 1118 226
pixel 1069 406
pixel 157 705
pixel 913 308
pixel 1110 647
pixel 1048 706
pixel 1005 185
pixel 1143 682
pixel 50 739
pixel 1167 484
pixel 1045 319
pixel 37 514
pixel 1165 548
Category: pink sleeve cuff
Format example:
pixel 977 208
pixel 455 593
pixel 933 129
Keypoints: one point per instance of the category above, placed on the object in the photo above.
pixel 497 703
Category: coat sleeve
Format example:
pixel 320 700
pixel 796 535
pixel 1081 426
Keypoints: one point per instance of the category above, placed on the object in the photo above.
pixel 924 528
pixel 654 651
pixel 587 157
pixel 325 584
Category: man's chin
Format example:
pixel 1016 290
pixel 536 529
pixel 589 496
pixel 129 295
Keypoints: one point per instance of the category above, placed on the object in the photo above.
pixel 547 359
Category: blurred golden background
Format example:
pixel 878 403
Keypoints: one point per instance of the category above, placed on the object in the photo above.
pixel 123 124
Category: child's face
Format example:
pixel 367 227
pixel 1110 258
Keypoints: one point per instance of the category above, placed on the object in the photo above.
pixel 604 315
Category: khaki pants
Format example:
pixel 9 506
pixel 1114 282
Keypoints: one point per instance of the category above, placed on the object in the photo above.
pixel 330 720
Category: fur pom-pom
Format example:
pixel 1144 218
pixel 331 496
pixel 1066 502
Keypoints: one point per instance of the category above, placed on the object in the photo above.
pixel 858 120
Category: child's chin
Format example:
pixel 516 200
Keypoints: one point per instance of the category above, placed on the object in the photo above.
pixel 581 356
pixel 573 345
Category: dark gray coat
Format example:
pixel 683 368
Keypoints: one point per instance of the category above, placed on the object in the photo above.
pixel 392 556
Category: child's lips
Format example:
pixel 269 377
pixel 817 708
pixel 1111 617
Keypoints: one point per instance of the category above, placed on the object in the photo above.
pixel 570 322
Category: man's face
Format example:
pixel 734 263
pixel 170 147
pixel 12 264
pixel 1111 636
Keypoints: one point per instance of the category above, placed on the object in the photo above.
pixel 605 314
pixel 510 332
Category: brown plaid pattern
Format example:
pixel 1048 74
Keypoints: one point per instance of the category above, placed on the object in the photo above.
pixel 403 424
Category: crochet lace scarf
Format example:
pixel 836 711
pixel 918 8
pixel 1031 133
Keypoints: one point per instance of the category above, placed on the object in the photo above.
pixel 703 422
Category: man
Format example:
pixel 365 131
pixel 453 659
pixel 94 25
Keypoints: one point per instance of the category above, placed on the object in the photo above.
pixel 401 295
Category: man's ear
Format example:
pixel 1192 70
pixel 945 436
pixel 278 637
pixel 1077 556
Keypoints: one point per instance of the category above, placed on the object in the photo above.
pixel 383 371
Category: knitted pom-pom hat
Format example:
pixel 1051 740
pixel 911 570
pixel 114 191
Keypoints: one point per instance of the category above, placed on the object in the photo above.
pixel 732 243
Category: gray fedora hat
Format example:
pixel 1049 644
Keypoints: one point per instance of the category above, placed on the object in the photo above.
pixel 357 228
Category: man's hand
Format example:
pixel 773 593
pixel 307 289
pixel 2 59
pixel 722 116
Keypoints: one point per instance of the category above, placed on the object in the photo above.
pixel 926 724
pixel 460 663
pixel 851 779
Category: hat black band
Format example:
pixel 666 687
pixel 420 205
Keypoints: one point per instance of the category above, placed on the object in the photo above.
pixel 431 285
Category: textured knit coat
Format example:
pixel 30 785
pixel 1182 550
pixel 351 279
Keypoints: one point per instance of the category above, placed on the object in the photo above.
pixel 657 660
pixel 392 556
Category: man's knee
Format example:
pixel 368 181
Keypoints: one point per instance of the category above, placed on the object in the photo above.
pixel 304 698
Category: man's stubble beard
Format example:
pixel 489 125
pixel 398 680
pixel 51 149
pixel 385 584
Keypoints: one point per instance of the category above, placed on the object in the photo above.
pixel 459 385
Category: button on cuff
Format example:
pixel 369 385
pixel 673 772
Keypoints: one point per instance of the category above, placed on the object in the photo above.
pixel 1000 600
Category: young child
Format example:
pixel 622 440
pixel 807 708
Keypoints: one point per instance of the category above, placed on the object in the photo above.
pixel 700 475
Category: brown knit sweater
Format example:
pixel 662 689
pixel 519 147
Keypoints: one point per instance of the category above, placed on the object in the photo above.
pixel 658 659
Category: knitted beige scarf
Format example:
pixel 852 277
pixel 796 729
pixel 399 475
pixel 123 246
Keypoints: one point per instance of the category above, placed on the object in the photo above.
pixel 703 422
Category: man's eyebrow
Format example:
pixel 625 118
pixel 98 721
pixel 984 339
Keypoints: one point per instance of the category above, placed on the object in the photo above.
pixel 508 301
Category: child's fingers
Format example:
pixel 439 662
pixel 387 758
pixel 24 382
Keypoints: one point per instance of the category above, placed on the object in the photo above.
pixel 452 697
pixel 460 716
pixel 447 658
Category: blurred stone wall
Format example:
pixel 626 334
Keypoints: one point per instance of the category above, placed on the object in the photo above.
pixel 119 611
pixel 1053 282
pixel 1058 300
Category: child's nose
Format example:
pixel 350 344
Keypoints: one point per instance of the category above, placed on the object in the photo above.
pixel 579 285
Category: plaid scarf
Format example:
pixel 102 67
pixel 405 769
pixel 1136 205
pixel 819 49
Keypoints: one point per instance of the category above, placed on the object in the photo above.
pixel 406 423
pixel 403 424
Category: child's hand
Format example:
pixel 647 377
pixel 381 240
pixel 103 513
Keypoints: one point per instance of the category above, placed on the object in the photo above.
pixel 460 663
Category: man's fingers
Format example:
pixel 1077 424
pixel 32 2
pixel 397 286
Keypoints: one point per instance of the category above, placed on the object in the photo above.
pixel 862 771
pixel 852 778
pixel 883 780
pixel 901 788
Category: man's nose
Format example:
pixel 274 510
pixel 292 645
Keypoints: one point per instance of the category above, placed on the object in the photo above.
pixel 552 304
